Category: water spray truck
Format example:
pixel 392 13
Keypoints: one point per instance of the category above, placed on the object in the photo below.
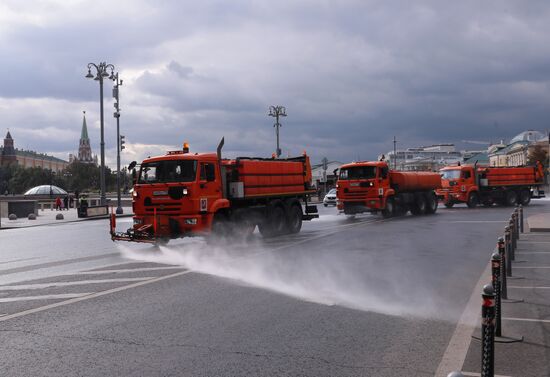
pixel 186 194
pixel 373 187
pixel 473 185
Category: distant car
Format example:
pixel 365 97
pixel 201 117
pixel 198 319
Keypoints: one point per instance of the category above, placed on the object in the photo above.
pixel 330 198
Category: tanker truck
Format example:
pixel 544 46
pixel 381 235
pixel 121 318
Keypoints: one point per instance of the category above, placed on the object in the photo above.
pixel 473 185
pixel 185 194
pixel 373 187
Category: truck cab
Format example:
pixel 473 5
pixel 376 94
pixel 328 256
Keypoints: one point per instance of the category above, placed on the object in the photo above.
pixel 175 193
pixel 363 185
pixel 458 185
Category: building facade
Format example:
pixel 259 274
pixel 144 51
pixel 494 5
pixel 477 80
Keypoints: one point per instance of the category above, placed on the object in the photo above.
pixel 429 158
pixel 518 151
pixel 11 156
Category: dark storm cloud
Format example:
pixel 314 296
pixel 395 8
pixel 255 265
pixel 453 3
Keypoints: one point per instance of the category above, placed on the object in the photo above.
pixel 351 74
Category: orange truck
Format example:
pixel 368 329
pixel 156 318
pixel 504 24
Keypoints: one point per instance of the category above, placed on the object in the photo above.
pixel 473 185
pixel 184 194
pixel 373 187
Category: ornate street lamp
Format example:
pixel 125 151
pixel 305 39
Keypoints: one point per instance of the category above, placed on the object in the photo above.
pixel 100 74
pixel 277 111
pixel 119 140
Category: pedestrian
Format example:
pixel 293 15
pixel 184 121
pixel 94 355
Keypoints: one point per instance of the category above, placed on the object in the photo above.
pixel 71 202
pixel 58 203
pixel 66 202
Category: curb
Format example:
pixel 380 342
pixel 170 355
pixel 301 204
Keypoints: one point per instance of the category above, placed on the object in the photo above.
pixel 64 222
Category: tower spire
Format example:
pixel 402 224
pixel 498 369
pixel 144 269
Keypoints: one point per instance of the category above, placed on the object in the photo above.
pixel 84 133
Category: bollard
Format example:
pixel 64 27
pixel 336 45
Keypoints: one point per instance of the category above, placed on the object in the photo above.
pixel 512 250
pixel 508 256
pixel 514 234
pixel 495 277
pixel 503 283
pixel 517 223
pixel 488 331
pixel 521 218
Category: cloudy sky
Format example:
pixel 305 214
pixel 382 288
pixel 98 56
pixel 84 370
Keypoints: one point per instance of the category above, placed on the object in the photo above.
pixel 351 74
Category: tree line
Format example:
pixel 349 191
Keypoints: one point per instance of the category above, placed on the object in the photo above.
pixel 76 177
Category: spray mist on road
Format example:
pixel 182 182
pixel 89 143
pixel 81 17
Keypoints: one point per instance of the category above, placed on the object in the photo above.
pixel 325 277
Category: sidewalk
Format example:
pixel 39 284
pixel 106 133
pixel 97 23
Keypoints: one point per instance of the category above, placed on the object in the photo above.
pixel 48 217
pixel 526 313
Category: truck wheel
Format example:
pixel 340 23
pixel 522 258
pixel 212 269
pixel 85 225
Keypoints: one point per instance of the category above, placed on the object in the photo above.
pixel 419 205
pixel 294 218
pixel 511 198
pixel 525 197
pixel 431 203
pixel 473 200
pixel 389 211
pixel 487 202
pixel 244 223
pixel 449 204
pixel 274 223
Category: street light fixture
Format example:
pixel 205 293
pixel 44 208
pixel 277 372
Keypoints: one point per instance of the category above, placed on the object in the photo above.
pixel 119 140
pixel 277 111
pixel 100 74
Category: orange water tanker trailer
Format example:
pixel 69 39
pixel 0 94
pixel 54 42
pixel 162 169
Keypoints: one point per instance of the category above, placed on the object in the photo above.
pixel 185 194
pixel 373 187
pixel 508 186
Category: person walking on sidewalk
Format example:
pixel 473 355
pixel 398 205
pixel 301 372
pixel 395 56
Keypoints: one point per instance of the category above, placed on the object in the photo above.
pixel 58 203
pixel 66 202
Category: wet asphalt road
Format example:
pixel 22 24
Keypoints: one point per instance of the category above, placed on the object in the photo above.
pixel 363 297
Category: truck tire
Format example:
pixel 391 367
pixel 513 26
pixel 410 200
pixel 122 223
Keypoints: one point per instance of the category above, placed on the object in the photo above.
pixel 525 197
pixel 274 222
pixel 449 204
pixel 487 202
pixel 389 210
pixel 294 218
pixel 473 200
pixel 244 223
pixel 431 203
pixel 419 205
pixel 511 198
pixel 219 229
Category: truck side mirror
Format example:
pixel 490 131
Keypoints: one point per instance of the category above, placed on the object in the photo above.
pixel 132 165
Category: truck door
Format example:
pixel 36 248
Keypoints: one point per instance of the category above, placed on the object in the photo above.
pixel 209 184
pixel 467 180
pixel 383 180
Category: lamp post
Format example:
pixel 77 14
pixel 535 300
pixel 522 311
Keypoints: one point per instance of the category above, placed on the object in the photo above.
pixel 277 111
pixel 100 74
pixel 119 143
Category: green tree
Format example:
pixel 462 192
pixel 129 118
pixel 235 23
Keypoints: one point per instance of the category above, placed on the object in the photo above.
pixel 538 153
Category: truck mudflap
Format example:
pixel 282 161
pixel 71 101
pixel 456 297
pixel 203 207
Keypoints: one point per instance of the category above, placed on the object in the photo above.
pixel 311 213
pixel 141 234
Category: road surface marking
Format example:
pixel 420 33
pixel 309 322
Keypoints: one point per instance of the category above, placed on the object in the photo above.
pixel 526 319
pixel 479 375
pixel 543 267
pixel 456 351
pixel 123 270
pixel 533 252
pixel 535 241
pixel 475 221
pixel 43 297
pixel 90 296
pixel 517 286
pixel 56 263
pixel 23 287
pixel 18 260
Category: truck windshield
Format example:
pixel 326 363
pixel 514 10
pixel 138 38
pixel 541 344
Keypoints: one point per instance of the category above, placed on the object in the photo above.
pixel 168 171
pixel 358 172
pixel 450 174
